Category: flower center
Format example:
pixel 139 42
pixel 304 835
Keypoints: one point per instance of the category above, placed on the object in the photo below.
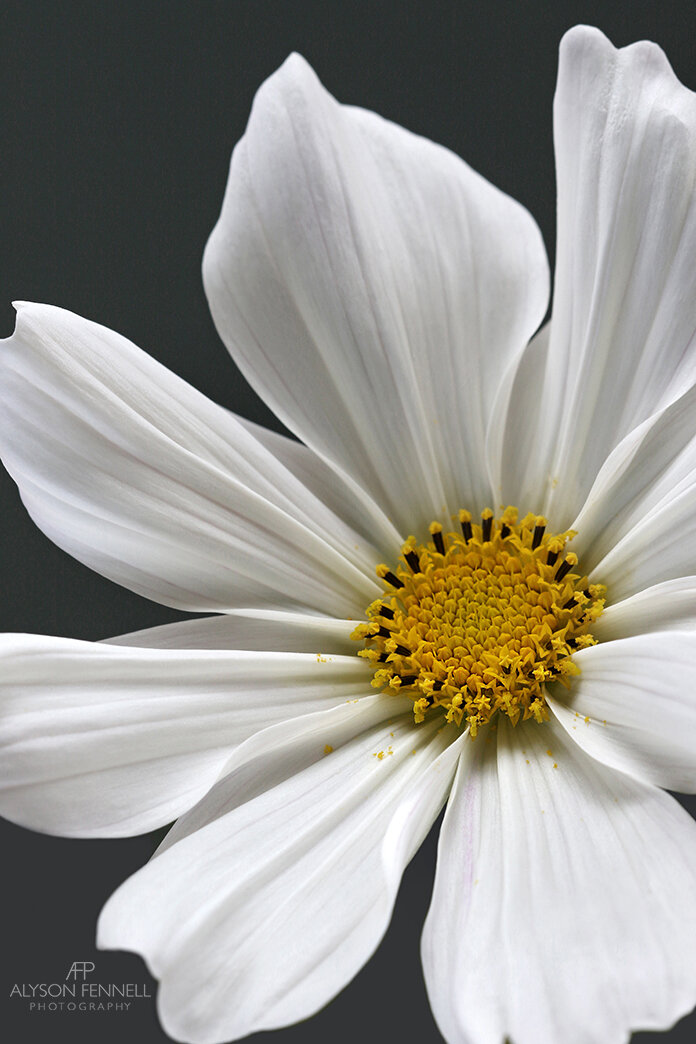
pixel 476 623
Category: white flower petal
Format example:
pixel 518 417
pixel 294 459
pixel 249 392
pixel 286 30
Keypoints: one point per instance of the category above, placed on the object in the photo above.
pixel 271 894
pixel 511 432
pixel 262 630
pixel 649 469
pixel 659 548
pixel 100 740
pixel 332 487
pixel 373 289
pixel 634 706
pixel 665 607
pixel 564 906
pixel 622 332
pixel 145 480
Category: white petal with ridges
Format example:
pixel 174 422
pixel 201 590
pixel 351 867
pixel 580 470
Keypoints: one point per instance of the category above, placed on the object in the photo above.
pixel 373 289
pixel 634 706
pixel 638 485
pixel 564 906
pixel 262 630
pixel 135 473
pixel 271 894
pixel 622 332
pixel 658 548
pixel 510 441
pixel 332 487
pixel 670 606
pixel 98 740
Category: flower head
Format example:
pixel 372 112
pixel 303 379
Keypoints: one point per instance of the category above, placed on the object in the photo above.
pixel 390 634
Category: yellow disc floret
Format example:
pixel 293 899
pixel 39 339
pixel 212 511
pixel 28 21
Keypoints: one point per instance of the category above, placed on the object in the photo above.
pixel 477 622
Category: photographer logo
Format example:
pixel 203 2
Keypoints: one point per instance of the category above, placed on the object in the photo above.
pixel 79 993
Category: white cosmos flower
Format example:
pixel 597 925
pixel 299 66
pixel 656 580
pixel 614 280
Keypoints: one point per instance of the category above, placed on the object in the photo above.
pixel 381 296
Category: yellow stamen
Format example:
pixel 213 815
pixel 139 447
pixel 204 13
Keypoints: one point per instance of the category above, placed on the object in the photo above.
pixel 477 623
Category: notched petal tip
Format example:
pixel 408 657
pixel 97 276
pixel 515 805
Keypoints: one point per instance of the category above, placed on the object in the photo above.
pixel 20 308
pixel 584 36
pixel 297 63
pixel 23 308
pixel 295 74
pixel 584 42
pixel 32 313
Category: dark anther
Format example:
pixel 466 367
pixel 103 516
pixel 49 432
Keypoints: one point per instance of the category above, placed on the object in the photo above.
pixel 439 542
pixel 413 561
pixel 383 632
pixel 563 569
pixel 467 531
pixel 408 679
pixel 437 686
pixel 586 593
pixel 570 603
pixel 386 612
pixel 551 557
pixel 486 526
pixel 572 642
pixel 382 658
pixel 402 650
pixel 538 534
pixel 393 580
pixel 504 531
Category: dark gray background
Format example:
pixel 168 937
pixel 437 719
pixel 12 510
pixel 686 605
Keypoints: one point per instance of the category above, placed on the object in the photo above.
pixel 118 120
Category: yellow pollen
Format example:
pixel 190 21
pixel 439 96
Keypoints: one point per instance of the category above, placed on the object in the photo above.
pixel 479 622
